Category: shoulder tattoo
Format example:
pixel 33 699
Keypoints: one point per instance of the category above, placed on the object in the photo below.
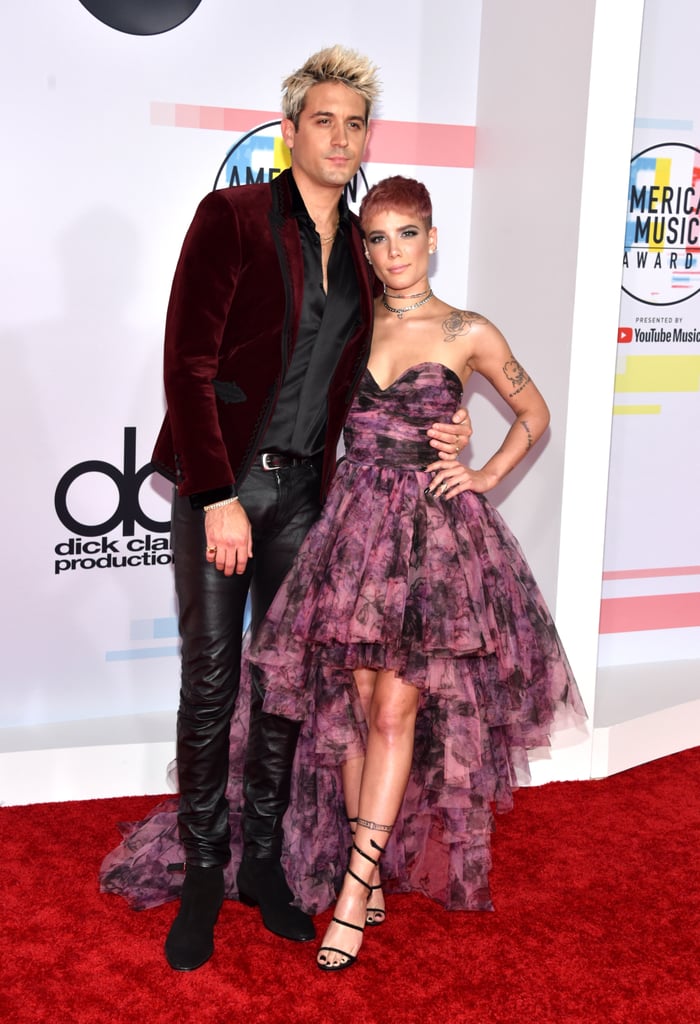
pixel 516 375
pixel 459 322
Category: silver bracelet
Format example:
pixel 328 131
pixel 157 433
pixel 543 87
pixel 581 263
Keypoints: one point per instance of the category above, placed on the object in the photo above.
pixel 220 504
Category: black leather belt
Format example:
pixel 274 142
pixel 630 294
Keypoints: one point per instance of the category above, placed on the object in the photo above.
pixel 275 460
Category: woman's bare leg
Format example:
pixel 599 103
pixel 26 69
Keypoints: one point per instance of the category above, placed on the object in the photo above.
pixel 351 772
pixel 391 720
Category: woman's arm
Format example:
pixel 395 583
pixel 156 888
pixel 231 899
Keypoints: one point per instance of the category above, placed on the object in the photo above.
pixel 491 356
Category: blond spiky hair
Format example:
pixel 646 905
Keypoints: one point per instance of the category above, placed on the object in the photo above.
pixel 334 64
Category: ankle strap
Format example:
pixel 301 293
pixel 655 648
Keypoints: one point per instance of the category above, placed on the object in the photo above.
pixel 362 853
pixel 360 880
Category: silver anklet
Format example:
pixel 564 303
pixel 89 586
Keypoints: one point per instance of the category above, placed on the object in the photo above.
pixel 374 825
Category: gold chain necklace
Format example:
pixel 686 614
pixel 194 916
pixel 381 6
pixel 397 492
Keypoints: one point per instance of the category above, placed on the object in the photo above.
pixel 406 309
pixel 325 239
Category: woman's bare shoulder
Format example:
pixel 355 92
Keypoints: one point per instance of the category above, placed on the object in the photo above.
pixel 459 323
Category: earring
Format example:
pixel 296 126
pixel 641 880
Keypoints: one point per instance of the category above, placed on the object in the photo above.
pixel 368 257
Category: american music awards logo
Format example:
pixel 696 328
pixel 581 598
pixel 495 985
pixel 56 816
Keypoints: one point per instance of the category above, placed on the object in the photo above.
pixel 662 237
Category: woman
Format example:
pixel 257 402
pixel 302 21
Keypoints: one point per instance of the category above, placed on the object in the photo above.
pixel 410 636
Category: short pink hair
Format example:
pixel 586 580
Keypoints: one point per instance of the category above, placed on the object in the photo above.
pixel 397 193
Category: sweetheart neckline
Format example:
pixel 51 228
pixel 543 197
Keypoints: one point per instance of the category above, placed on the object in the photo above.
pixel 425 362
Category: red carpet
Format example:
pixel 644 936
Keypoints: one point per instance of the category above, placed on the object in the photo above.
pixel 597 922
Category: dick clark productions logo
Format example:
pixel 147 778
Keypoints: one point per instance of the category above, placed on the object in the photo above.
pixel 105 551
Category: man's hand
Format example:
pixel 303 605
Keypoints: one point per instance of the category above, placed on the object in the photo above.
pixel 229 538
pixel 451 438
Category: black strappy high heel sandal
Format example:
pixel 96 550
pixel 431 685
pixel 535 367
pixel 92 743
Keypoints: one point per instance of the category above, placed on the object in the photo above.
pixel 372 918
pixel 349 958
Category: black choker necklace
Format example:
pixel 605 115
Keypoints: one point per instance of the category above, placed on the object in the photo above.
pixel 413 295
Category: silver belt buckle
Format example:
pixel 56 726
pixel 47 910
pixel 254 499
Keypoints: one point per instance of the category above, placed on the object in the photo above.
pixel 265 460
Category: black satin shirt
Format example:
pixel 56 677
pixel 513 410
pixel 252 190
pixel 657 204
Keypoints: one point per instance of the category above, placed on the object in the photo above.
pixel 298 422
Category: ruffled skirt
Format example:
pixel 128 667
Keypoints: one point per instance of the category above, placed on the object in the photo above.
pixel 440 592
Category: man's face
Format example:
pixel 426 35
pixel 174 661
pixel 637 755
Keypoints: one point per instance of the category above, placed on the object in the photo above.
pixel 329 143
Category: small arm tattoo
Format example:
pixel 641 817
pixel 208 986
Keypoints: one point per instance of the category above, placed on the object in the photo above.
pixel 460 322
pixel 527 430
pixel 516 375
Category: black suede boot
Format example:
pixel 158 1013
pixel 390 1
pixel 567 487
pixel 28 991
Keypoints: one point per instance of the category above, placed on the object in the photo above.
pixel 261 883
pixel 190 942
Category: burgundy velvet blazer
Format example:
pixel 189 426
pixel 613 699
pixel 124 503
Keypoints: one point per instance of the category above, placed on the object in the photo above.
pixel 231 328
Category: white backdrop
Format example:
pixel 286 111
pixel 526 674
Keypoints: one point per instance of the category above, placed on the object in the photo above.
pixel 651 596
pixel 112 140
pixel 103 177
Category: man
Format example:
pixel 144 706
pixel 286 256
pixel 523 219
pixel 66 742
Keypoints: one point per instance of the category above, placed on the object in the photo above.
pixel 267 334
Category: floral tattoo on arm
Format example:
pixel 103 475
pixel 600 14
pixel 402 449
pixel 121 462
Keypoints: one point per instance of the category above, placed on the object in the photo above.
pixel 460 322
pixel 516 375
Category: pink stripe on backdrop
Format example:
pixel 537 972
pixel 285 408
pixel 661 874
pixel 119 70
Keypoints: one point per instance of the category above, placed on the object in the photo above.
pixel 436 145
pixel 658 611
pixel 391 142
pixel 189 115
pixel 647 574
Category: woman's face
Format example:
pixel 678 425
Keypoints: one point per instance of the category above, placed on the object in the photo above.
pixel 399 246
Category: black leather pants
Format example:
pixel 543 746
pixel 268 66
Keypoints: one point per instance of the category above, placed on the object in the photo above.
pixel 281 505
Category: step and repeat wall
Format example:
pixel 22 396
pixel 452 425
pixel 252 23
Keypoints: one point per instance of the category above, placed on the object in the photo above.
pixel 118 117
pixel 651 586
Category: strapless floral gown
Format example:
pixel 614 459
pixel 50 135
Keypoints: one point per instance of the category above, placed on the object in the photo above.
pixel 440 592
